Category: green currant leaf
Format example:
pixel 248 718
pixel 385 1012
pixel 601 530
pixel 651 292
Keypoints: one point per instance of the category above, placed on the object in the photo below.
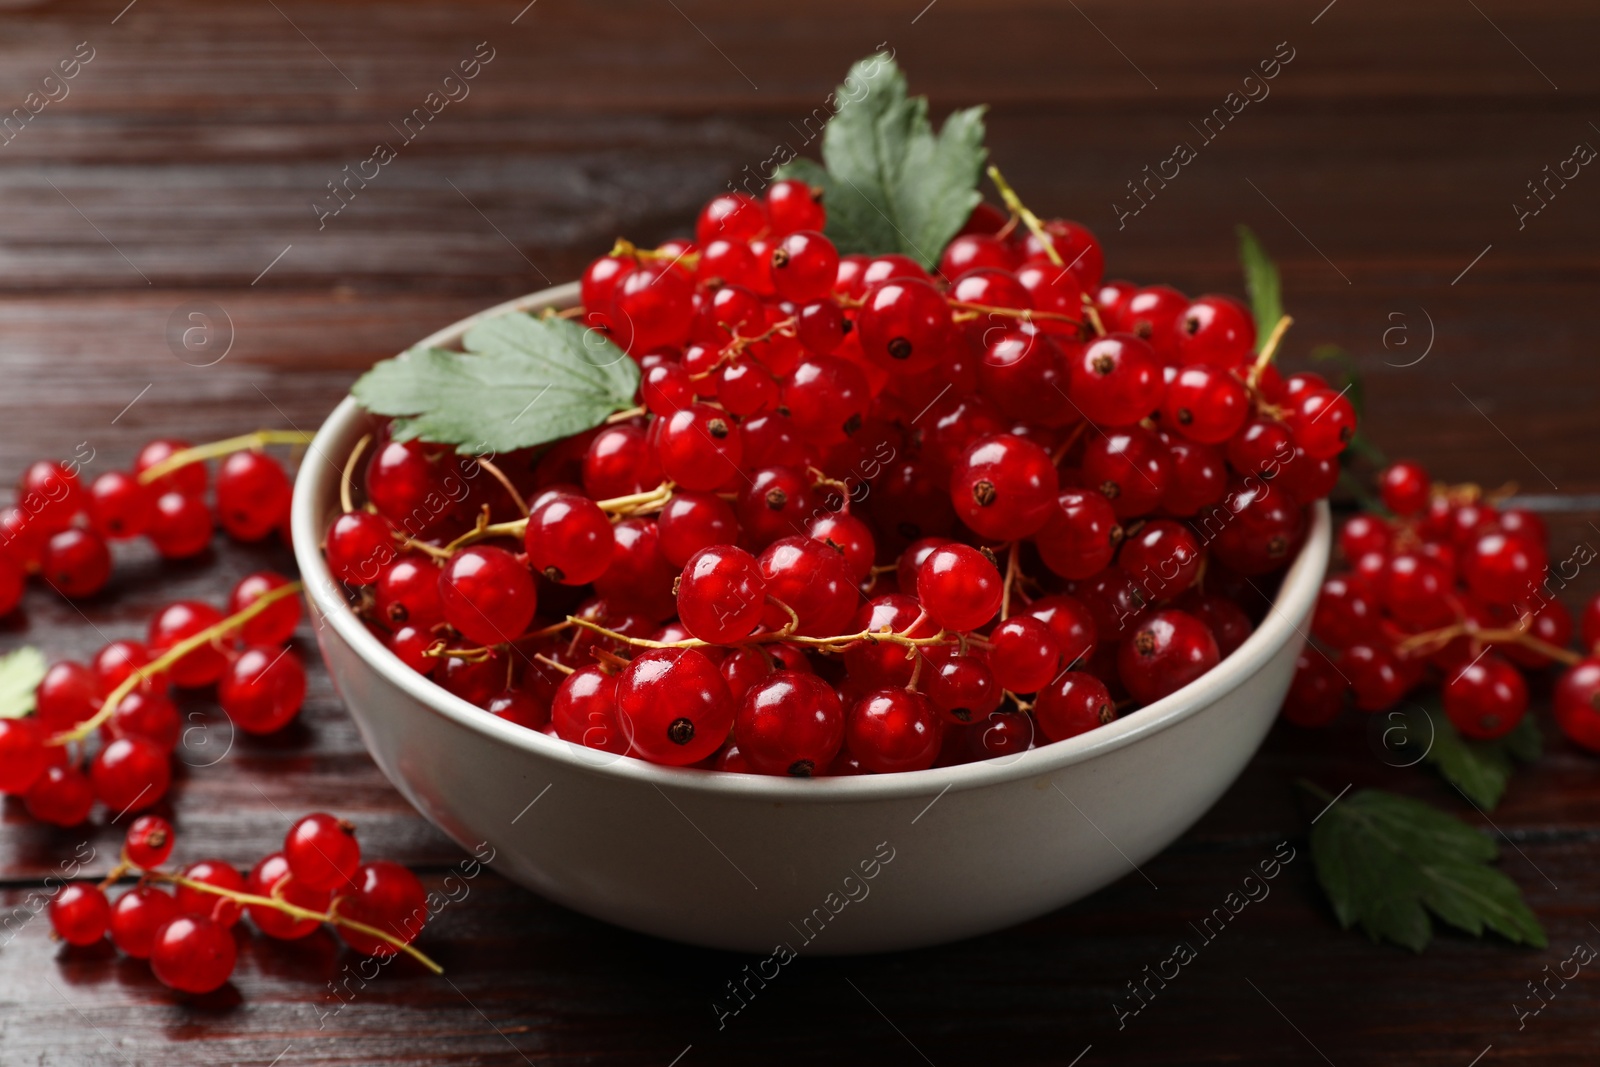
pixel 1480 769
pixel 1262 283
pixel 521 381
pixel 21 672
pixel 1387 861
pixel 891 184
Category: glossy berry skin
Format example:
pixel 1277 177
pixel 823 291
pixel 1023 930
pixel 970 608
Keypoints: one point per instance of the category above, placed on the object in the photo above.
pixel 113 663
pixel 387 897
pixel 487 595
pixel 876 664
pixel 321 851
pixel 118 506
pixel 149 842
pixel 1152 314
pixel 1375 675
pixel 700 447
pixel 1163 559
pixel 1197 475
pixel 665 388
pixel 61 796
pixel 1362 534
pixel 1487 698
pixel 130 774
pixel 68 694
pixel 193 955
pixel 149 715
pixel 721 594
pixel 959 587
pixel 1261 448
pixel 1205 404
pixel 775 502
pixel 1317 693
pixel 1004 487
pixel 76 563
pixel 892 730
pixel 1081 536
pixel 358 546
pixel 180 526
pixel 972 251
pixel 813 579
pixel 1116 380
pixel 1074 245
pixel 1130 467
pixel 693 521
pixel 731 216
pixel 639 579
pixel 652 306
pixel 620 461
pixel 49 492
pixel 199 902
pixel 804 266
pixel 1347 612
pixel 1505 569
pixel 252 495
pixel 961 688
pixel 568 539
pixel 1166 652
pixel 80 913
pixel 136 917
pixel 270 877
pixel 178 622
pixel 1264 532
pixel 584 712
pixel 677 707
pixel 1073 703
pixel 827 397
pixel 277 623
pixel 1323 422
pixel 1404 487
pixel 789 724
pixel 904 325
pixel 1577 703
pixel 1217 331
pixel 850 536
pixel 1023 654
pixel 746 388
pixel 1416 588
pixel 1025 375
pixel 189 479
pixel 263 689
pixel 793 205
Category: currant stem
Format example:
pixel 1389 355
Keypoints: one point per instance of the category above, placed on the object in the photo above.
pixel 347 476
pixel 1014 203
pixel 625 414
pixel 499 475
pixel 1269 350
pixel 172 655
pixel 331 916
pixel 829 644
pixel 250 441
pixel 1010 579
pixel 1025 314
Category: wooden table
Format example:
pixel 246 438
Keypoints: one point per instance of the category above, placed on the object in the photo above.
pixel 178 176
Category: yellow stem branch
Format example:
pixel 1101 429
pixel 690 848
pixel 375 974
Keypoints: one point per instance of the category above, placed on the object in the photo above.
pixel 259 439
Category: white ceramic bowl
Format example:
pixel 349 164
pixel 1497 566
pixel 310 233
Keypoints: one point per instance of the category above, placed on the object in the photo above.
pixel 825 866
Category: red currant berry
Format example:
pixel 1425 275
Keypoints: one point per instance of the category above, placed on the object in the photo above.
pixel 79 914
pixel 271 878
pixel 1073 703
pixel 1504 569
pixel 875 664
pixel 789 723
pixel 1260 532
pixel 804 266
pixel 746 388
pixel 61 796
pixel 1025 374
pixel 1577 704
pixel 1403 488
pixel 76 563
pixel 1487 698
pixel 1023 654
pixel 652 307
pixel 1130 467
pixel 1081 536
pixel 193 901
pixel 568 539
pixel 1416 589
pixel 1074 245
pixel 137 915
pixel 962 688
pixel 276 624
pixel 321 851
pixel 177 622
pixel 116 661
pixel 971 251
pixel 959 587
pixel 1217 331
pixel 827 398
pixel 639 579
pixel 384 896
pixel 180 526
pixel 68 694
pixel 1206 404
pixel 849 535
pixel 793 205
pixel 1166 652
pixel 1323 422
pixel 189 479
pixel 263 689
pixel 1116 380
pixel 700 447
pixel 521 707
pixel 676 705
pixel 1316 695
pixel 118 506
pixel 693 521
pixel 22 755
pixel 732 216
pixel 620 461
pixel 1004 487
pixel 1163 559
pixel 665 388
pixel 1347 612
pixel 359 545
pixel 130 774
pixel 487 595
pixel 1362 534
pixel 1197 478
pixel 192 955
pixel 905 325
pixel 584 712
pixel 252 495
pixel 1153 315
pixel 1375 675
pixel 813 580
pixel 1261 448
pixel 148 715
pixel 893 730
pixel 49 492
pixel 721 594
pixel 149 842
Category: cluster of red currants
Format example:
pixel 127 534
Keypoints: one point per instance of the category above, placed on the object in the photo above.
pixel 1446 586
pixel 865 518
pixel 62 530
pixel 123 694
pixel 377 908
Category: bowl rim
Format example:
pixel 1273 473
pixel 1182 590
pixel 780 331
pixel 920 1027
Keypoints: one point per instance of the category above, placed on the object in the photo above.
pixel 318 481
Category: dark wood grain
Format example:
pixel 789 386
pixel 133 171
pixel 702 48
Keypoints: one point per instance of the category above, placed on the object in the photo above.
pixel 179 175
